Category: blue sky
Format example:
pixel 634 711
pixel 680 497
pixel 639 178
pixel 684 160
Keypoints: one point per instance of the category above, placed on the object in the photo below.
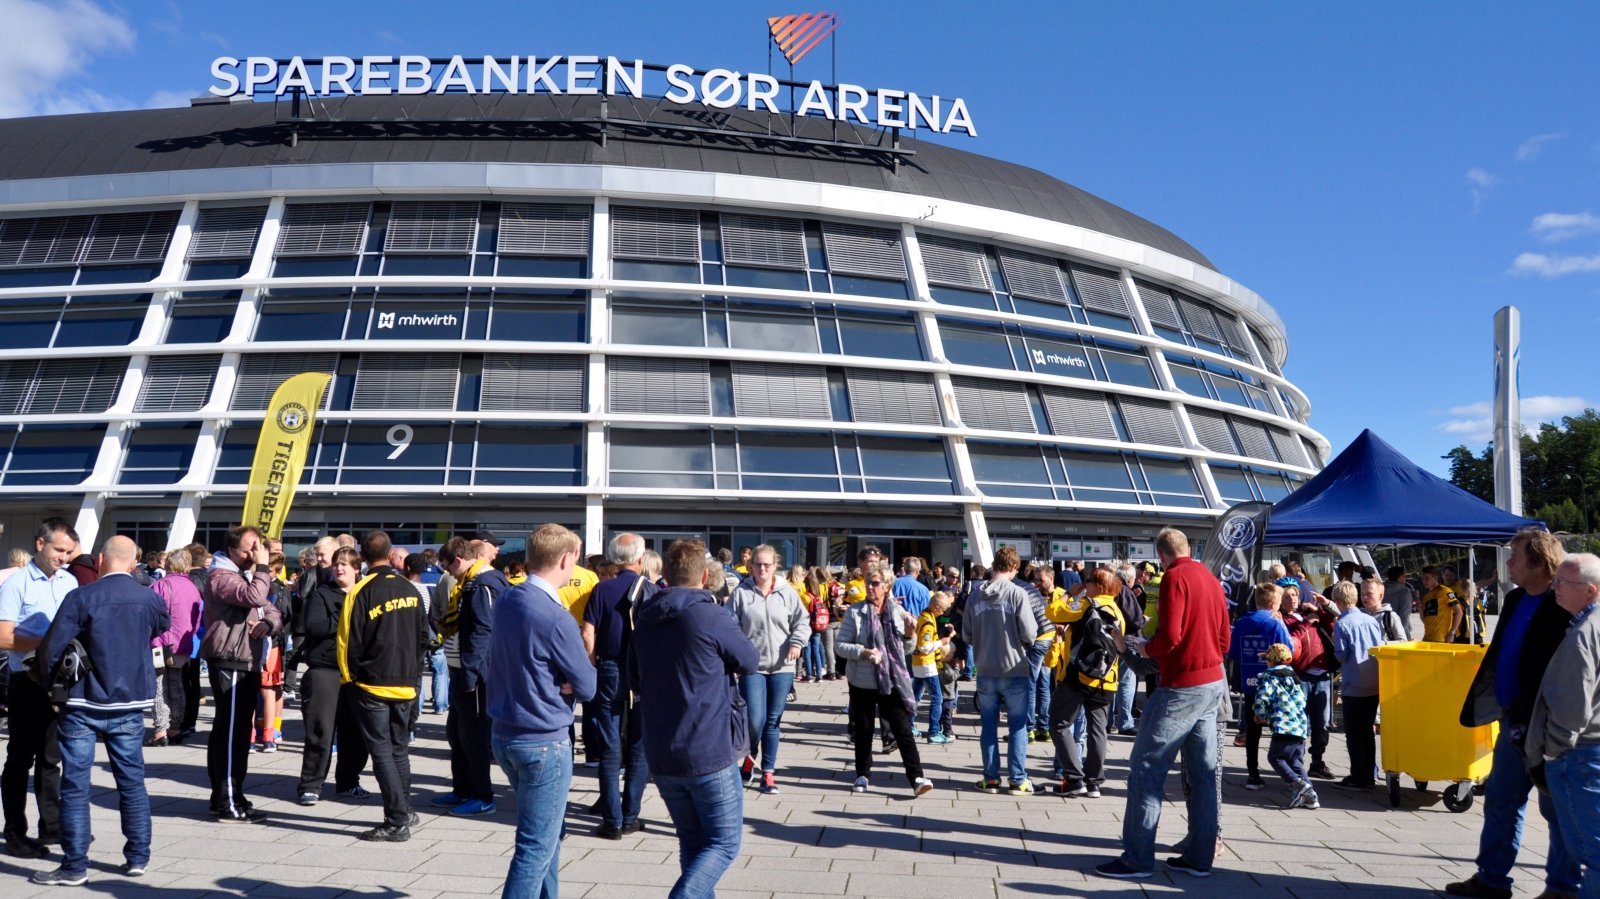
pixel 1386 175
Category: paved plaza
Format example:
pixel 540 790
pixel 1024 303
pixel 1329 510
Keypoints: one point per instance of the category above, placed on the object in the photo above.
pixel 814 839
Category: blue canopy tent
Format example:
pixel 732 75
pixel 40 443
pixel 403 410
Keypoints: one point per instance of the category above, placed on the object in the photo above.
pixel 1371 494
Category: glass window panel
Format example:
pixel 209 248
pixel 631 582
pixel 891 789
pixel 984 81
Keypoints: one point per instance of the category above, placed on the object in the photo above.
pixel 1190 381
pixel 1018 491
pixel 1168 333
pixel 890 457
pixel 315 267
pixel 524 478
pixel 870 287
pixel 535 267
pixel 790 482
pixel 967 346
pixel 525 448
pixel 301 321
pixel 657 327
pixel 28 329
pixel 649 450
pixel 1230 391
pixel 787 454
pixel 118 274
pixel 400 264
pixel 46 455
pixel 950 296
pixel 218 269
pixel 782 333
pixel 553 322
pixel 1015 463
pixel 1170 476
pixel 1232 483
pixel 1095 495
pixel 101 327
pixel 1097 470
pixel 1106 320
pixel 739 276
pixel 1043 310
pixel 37 277
pixel 158 454
pixel 640 479
pixel 1126 368
pixel 884 340
pixel 416 477
pixel 638 270
pixel 881 486
pixel 370 446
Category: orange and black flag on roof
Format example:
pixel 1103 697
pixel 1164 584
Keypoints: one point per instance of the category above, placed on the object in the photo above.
pixel 795 35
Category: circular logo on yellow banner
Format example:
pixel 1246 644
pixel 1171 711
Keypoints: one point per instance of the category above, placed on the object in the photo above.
pixel 293 418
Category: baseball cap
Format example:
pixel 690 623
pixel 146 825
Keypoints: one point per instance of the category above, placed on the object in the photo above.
pixel 1277 654
pixel 487 536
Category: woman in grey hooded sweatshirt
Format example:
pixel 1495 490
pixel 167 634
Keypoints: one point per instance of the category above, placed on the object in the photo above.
pixel 770 613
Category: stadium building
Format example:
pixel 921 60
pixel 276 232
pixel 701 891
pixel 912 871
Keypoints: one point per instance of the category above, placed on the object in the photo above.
pixel 672 319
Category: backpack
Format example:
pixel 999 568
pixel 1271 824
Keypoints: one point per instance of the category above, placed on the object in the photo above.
pixel 1094 654
pixel 819 615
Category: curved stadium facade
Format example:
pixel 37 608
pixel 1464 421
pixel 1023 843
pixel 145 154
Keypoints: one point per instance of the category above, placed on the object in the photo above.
pixel 700 321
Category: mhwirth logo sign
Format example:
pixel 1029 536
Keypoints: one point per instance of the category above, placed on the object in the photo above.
pixel 796 35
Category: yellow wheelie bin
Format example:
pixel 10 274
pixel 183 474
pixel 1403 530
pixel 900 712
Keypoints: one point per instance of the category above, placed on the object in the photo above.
pixel 1420 690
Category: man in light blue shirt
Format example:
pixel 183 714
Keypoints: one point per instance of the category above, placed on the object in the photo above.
pixel 909 591
pixel 28 603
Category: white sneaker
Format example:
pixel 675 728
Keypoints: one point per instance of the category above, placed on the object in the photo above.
pixel 1302 794
pixel 923 785
pixel 860 786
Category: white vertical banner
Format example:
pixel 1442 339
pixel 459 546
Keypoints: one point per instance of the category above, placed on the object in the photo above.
pixel 1507 424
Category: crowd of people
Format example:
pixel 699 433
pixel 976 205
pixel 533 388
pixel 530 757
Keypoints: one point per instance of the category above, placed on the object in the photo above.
pixel 676 670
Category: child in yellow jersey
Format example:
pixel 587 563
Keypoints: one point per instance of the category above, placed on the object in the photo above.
pixel 932 640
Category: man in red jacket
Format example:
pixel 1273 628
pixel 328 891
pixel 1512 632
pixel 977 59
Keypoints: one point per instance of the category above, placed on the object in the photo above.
pixel 1191 639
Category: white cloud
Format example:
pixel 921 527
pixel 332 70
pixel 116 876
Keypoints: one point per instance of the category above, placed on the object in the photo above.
pixel 170 99
pixel 1480 183
pixel 1553 266
pixel 43 46
pixel 1556 226
pixel 1529 150
pixel 1474 422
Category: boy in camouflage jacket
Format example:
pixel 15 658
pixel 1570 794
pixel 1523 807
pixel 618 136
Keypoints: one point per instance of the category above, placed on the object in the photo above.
pixel 1280 704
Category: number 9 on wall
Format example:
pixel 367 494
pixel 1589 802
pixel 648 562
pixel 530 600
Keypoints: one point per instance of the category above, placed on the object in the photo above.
pixel 399 437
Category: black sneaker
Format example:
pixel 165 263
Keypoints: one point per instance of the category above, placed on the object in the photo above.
pixel 132 869
pixel 1351 783
pixel 1120 870
pixel 60 877
pixel 1475 887
pixel 632 827
pixel 386 833
pixel 355 792
pixel 1177 863
pixel 245 816
pixel 1320 771
pixel 24 846
pixel 607 832
pixel 413 819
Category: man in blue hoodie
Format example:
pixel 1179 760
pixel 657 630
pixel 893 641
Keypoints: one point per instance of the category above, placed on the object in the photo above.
pixel 113 619
pixel 686 653
pixel 1252 634
pixel 537 668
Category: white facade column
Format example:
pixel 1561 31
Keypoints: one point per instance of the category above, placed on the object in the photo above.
pixel 90 513
pixel 596 458
pixel 184 521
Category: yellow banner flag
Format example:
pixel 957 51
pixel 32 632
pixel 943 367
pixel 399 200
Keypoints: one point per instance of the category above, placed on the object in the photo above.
pixel 281 451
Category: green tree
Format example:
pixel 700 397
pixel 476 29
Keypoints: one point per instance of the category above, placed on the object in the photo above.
pixel 1474 474
pixel 1560 472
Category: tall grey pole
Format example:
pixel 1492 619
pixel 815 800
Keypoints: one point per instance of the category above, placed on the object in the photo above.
pixel 1507 422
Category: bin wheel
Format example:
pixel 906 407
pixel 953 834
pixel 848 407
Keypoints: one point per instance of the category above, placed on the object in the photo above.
pixel 1422 786
pixel 1394 790
pixel 1458 797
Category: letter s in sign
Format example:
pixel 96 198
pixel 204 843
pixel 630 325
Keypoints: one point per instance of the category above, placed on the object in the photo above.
pixel 399 437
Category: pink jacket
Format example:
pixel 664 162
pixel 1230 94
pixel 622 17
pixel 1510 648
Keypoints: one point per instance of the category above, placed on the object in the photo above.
pixel 183 604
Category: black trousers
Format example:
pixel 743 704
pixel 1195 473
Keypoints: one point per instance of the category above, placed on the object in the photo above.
pixel 32 750
pixel 867 705
pixel 1360 714
pixel 467 729
pixel 228 748
pixel 330 719
pixel 191 695
pixel 1252 738
pixel 386 724
pixel 1065 701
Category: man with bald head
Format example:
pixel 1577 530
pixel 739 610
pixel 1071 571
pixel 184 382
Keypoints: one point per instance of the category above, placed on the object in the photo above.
pixel 113 619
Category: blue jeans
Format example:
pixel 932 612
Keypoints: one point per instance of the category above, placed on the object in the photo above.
pixel 708 812
pixel 1174 718
pixel 1127 688
pixel 935 691
pixel 1574 781
pixel 765 695
pixel 619 799
pixel 123 733
pixel 1014 690
pixel 540 772
pixel 1038 683
pixel 1505 800
pixel 441 681
pixel 816 663
pixel 1319 711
